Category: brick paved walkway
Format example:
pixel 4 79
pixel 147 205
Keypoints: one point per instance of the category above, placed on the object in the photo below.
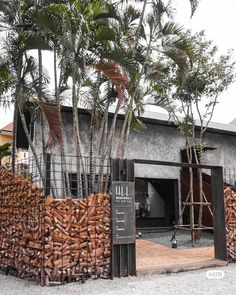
pixel 155 258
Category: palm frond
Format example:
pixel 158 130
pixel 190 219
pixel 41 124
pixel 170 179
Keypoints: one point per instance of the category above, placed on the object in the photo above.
pixel 124 58
pixel 171 28
pixel 113 71
pixel 158 71
pixel 51 112
pixel 194 5
pixel 5 76
pixel 103 34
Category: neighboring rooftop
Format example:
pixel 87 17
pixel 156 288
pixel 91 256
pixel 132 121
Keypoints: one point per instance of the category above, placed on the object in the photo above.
pixel 7 130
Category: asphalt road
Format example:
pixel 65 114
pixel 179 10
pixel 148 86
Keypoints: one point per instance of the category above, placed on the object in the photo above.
pixel 195 282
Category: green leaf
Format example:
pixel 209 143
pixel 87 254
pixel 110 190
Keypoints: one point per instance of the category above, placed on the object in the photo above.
pixel 171 28
pixel 137 124
pixel 48 22
pixel 36 42
pixel 4 147
pixel 105 34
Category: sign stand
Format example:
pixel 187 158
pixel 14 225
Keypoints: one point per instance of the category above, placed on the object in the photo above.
pixel 123 218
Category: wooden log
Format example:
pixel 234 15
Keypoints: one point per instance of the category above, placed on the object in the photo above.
pixel 53 239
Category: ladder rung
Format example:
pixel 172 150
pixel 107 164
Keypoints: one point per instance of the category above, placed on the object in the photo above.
pixel 196 203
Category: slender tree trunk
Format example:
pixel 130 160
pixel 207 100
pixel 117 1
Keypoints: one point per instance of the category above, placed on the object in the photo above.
pixel 120 149
pixel 43 142
pixel 201 200
pixel 16 111
pixel 103 133
pixel 107 148
pixel 126 138
pixel 127 121
pixel 91 135
pixel 14 135
pixel 27 134
pixel 140 23
pixel 191 199
pixel 40 96
pixel 91 157
pixel 65 176
pixel 77 144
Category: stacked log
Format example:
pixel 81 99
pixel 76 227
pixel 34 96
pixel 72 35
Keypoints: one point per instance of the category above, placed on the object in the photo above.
pixel 52 240
pixel 77 237
pixel 230 218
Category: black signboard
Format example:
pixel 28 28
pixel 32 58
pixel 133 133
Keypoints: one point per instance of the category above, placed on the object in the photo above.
pixel 123 212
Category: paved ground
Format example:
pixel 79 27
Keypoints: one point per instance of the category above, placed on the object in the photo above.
pixel 183 238
pixel 155 258
pixel 185 283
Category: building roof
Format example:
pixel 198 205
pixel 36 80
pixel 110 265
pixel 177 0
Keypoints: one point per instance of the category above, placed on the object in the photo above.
pixel 213 126
pixel 233 122
pixel 164 120
pixel 7 130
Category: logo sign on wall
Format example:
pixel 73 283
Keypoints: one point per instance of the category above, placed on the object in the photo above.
pixel 123 212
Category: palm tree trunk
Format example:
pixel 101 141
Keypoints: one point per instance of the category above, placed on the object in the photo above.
pixel 40 96
pixel 14 135
pixel 77 144
pixel 125 130
pixel 122 137
pixel 91 132
pixel 91 137
pixel 108 146
pixel 127 121
pixel 65 176
pixel 27 134
pixel 140 23
pixel 18 68
pixel 102 139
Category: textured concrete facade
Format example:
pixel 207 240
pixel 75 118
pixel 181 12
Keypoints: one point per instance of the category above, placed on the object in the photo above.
pixel 160 141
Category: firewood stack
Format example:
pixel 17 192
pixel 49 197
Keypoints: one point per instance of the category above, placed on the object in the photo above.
pixel 52 240
pixel 230 218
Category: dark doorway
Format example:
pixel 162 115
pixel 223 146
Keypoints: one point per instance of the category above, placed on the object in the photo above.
pixel 163 201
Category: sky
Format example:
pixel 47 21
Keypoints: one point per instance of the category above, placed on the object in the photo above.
pixel 218 20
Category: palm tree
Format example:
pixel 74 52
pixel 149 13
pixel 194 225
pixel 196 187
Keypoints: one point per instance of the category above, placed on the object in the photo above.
pixel 151 44
pixel 26 83
pixel 83 35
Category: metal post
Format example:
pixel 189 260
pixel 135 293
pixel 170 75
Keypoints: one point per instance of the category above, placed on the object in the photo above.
pixel 48 174
pixel 218 213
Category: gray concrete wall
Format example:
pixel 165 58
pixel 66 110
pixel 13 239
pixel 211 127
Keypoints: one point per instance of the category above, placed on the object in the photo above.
pixel 156 143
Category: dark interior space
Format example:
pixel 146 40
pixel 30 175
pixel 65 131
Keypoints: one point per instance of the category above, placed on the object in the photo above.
pixel 21 139
pixel 163 201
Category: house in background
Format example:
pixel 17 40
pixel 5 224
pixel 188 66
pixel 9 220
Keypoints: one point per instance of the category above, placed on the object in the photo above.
pixel 6 134
pixel 6 137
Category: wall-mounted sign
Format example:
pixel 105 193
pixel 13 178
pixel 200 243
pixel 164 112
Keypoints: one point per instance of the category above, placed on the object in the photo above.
pixel 123 212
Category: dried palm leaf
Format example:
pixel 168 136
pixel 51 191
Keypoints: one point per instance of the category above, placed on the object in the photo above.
pixel 51 112
pixel 114 72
